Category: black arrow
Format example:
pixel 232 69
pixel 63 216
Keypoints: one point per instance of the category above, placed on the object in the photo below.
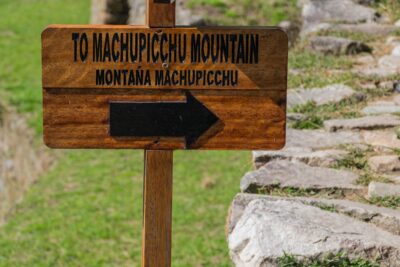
pixel 188 119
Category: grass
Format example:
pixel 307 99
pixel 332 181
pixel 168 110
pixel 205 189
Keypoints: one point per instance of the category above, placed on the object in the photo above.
pixel 338 260
pixel 245 12
pixel 21 23
pixel 316 115
pixel 87 210
pixel 388 202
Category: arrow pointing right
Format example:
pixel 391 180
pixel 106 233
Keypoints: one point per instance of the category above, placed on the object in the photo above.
pixel 188 119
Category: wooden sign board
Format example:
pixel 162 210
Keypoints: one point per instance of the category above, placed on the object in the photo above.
pixel 164 88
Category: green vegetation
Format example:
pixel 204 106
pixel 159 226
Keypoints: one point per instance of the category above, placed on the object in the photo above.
pixel 289 191
pixel 87 211
pixel 388 202
pixel 390 7
pixel 21 23
pixel 245 12
pixel 310 122
pixel 316 115
pixel 338 260
pixel 355 159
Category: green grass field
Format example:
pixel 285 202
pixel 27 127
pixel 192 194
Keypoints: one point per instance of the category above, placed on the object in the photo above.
pixel 87 210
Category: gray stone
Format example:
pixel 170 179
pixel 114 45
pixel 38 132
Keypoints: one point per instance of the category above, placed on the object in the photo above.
pixel 286 174
pixel 322 158
pixel 384 218
pixel 318 139
pixel 381 138
pixel 376 189
pixel 337 46
pixel 329 94
pixel 367 28
pixel 110 12
pixel 293 117
pixel 390 62
pixel 375 72
pixel 385 163
pixel 393 41
pixel 316 12
pixel 396 51
pixel 380 109
pixel 397 23
pixel 267 229
pixel 364 123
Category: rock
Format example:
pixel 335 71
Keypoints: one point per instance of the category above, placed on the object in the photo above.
pixel 322 158
pixel 293 117
pixel 365 60
pixel 375 72
pixel 389 85
pixel 396 51
pixel 110 12
pixel 316 12
pixel 184 16
pixel 366 28
pixel 380 109
pixel 266 229
pixel 382 138
pixel 364 123
pixel 389 163
pixel 286 174
pixel 393 40
pixel 320 96
pixel 376 189
pixel 329 45
pixel 390 62
pixel 292 30
pixel 384 218
pixel 397 23
pixel 318 139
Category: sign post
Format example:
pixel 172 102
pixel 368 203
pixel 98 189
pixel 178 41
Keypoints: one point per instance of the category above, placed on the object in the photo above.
pixel 160 88
pixel 158 173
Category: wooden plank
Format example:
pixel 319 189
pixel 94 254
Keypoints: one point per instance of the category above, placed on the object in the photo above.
pixel 157 213
pixel 160 13
pixel 249 120
pixel 88 57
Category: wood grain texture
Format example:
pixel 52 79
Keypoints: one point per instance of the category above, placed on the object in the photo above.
pixel 60 70
pixel 160 14
pixel 249 120
pixel 157 209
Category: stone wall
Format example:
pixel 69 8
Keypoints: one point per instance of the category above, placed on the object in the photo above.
pixel 21 162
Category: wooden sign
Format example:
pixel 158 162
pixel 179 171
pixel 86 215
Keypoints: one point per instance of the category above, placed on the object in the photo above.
pixel 164 88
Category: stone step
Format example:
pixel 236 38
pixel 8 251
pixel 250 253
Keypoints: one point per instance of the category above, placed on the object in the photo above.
pixel 364 123
pixel 262 229
pixel 320 96
pixel 321 158
pixel 287 174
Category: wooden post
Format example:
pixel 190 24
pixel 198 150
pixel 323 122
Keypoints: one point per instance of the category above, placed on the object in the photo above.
pixel 157 208
pixel 158 167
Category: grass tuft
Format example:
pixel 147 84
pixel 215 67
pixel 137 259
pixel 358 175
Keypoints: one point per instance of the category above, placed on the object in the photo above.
pixel 332 260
